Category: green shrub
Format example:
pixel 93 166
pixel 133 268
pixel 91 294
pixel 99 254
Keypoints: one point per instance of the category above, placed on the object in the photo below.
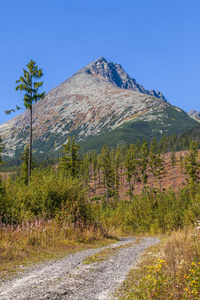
pixel 153 212
pixel 47 194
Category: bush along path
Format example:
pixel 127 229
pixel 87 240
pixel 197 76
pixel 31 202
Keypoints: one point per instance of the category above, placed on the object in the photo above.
pixel 90 274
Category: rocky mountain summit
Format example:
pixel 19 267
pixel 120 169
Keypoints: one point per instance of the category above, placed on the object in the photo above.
pixel 116 75
pixel 194 114
pixel 99 104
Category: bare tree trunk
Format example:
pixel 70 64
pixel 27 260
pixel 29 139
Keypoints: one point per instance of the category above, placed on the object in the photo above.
pixel 30 146
pixel 121 176
pixel 130 190
pixel 160 184
pixel 106 185
pixel 174 177
pixel 99 178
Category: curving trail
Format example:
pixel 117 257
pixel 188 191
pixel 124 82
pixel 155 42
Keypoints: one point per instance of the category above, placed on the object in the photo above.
pixel 70 278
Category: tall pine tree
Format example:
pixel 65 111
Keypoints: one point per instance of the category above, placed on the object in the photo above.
pixel 30 85
pixel 192 165
pixel 108 173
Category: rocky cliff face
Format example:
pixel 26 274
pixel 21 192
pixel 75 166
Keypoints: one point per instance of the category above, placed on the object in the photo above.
pixel 96 100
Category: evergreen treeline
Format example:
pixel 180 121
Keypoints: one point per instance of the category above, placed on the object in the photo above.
pixel 165 145
pixel 129 165
pixel 62 192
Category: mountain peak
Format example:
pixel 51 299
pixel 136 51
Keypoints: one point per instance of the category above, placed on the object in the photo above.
pixel 101 60
pixel 115 74
pixel 98 62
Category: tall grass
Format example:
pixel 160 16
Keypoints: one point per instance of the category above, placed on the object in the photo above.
pixel 40 239
pixel 170 270
pixel 42 234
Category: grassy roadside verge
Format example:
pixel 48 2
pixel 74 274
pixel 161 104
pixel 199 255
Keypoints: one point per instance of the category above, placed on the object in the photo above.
pixel 31 243
pixel 169 270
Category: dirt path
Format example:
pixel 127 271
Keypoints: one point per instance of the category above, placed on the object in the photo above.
pixel 70 278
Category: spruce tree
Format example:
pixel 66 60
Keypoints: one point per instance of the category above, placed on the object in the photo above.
pixel 173 162
pixel 85 171
pixel 99 169
pixel 117 163
pixel 144 151
pixel 192 165
pixel 24 167
pixel 132 166
pixel 152 158
pixel 94 167
pixel 70 162
pixel 162 144
pixel 107 169
pixel 165 145
pixel 159 168
pixel 174 141
pixel 129 165
pixel 30 85
pixel 181 162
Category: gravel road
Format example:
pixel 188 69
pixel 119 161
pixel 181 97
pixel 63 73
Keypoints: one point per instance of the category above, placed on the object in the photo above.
pixel 70 278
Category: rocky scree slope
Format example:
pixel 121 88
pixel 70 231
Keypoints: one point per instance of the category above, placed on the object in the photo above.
pixel 98 104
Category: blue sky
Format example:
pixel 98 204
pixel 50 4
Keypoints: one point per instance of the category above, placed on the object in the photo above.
pixel 157 42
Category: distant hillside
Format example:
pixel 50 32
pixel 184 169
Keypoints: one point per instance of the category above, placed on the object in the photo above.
pixel 192 133
pixel 130 132
pixel 99 104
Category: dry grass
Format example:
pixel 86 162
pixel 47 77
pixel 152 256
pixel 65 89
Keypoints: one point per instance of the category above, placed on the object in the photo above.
pixel 170 270
pixel 39 240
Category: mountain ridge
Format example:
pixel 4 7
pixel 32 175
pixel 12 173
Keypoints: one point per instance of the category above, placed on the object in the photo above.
pixel 100 100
